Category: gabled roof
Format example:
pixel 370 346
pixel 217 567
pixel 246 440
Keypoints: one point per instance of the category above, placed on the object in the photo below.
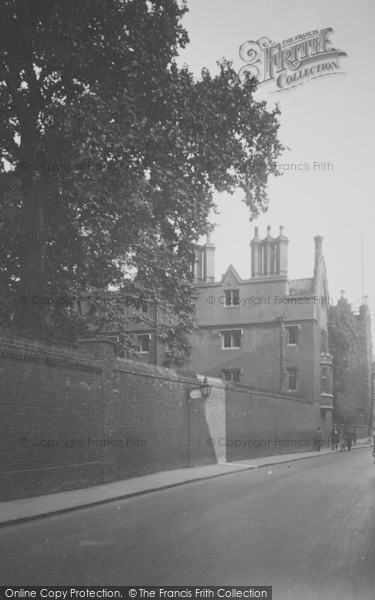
pixel 230 276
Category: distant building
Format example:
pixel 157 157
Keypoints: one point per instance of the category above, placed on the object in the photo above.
pixel 266 331
pixel 150 349
pixel 350 333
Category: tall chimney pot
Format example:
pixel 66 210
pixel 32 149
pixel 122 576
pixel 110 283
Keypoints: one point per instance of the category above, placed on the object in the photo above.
pixel 318 242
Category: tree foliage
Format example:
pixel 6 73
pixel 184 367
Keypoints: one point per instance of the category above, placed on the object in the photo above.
pixel 111 155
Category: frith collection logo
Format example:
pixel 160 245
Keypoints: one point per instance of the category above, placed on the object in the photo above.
pixel 292 62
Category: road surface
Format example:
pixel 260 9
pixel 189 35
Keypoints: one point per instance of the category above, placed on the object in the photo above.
pixel 306 527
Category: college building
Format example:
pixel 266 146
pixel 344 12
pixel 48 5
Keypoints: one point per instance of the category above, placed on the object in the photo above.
pixel 267 331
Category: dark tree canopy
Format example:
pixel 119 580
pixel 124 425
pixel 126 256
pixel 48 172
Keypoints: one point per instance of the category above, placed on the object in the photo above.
pixel 111 155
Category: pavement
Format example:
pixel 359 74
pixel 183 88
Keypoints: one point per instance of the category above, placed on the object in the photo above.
pixel 28 509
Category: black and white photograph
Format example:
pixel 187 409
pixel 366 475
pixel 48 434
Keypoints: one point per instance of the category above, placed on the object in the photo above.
pixel 187 297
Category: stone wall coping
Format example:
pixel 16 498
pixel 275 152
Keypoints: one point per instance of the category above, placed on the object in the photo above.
pixel 156 372
pixel 61 357
pixel 38 352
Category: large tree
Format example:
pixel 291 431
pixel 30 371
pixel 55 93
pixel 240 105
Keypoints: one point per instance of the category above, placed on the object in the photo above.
pixel 111 155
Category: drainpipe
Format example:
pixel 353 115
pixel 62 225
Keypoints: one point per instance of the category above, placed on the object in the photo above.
pixel 282 352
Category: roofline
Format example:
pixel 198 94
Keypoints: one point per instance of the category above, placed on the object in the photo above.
pixel 243 281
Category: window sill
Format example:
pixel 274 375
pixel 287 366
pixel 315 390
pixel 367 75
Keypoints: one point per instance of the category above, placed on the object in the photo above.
pixel 232 348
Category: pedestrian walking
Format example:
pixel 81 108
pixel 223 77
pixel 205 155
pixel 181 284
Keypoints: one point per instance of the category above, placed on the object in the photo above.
pixel 354 435
pixel 342 438
pixel 348 440
pixel 318 439
pixel 335 437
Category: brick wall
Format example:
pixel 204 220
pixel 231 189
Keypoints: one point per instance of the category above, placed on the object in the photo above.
pixel 269 423
pixel 70 419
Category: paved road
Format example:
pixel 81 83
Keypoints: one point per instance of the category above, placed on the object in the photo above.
pixel 307 528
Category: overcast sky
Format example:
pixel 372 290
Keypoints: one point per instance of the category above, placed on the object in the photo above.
pixel 330 120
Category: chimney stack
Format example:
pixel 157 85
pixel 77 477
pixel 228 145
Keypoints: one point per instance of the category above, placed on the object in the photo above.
pixel 269 257
pixel 269 254
pixel 318 243
pixel 318 253
pixel 204 267
pixel 256 255
pixel 209 260
pixel 282 253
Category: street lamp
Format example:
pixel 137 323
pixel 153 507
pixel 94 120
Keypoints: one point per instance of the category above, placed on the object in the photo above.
pixel 203 391
pixel 205 388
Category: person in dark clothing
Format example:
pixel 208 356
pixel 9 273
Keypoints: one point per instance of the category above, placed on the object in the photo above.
pixel 342 439
pixel 335 437
pixel 318 439
pixel 348 440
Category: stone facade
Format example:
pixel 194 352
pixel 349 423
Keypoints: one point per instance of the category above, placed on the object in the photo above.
pixel 353 375
pixel 266 331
